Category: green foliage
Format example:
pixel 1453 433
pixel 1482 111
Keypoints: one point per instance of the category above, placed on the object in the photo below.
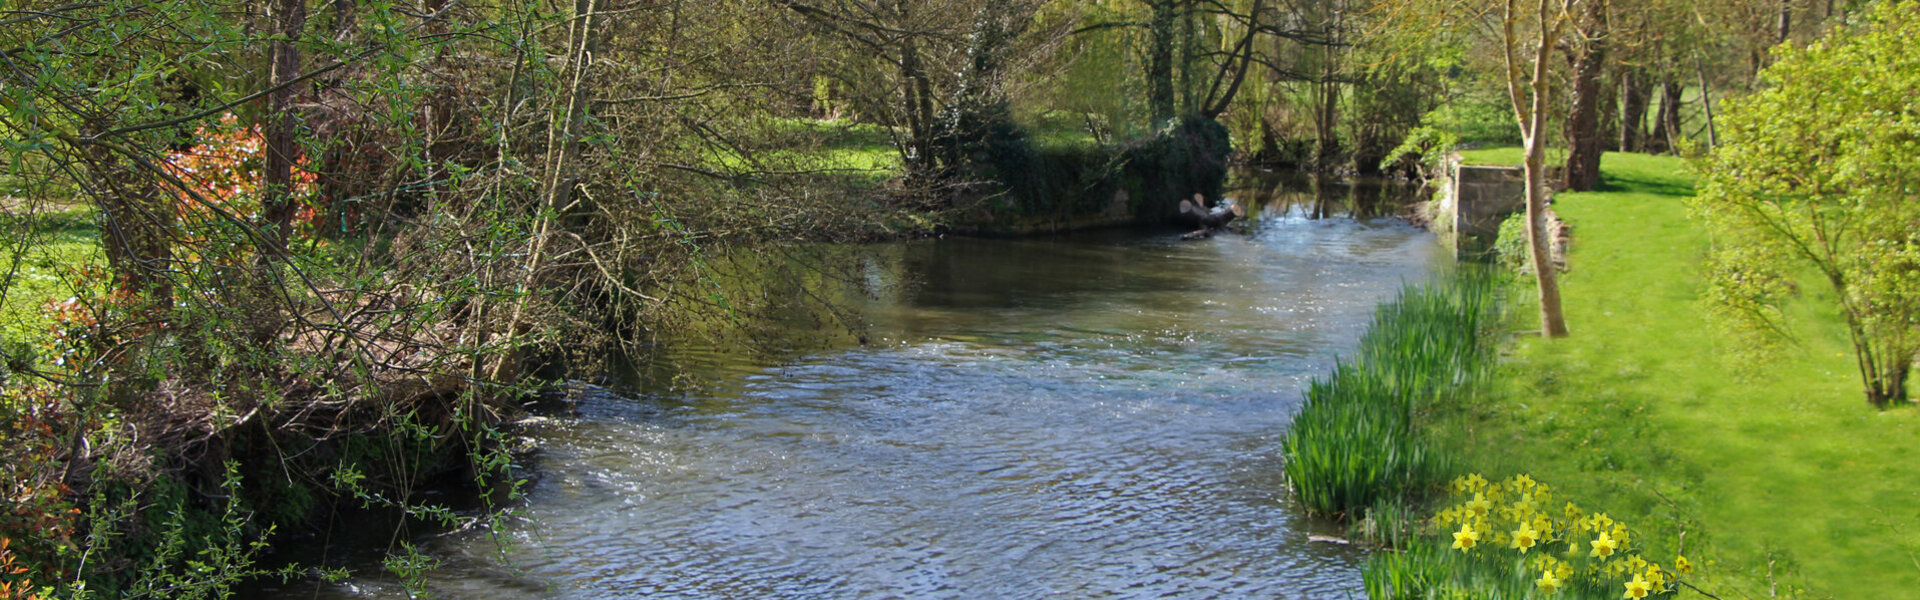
pixel 1476 119
pixel 1512 251
pixel 1357 439
pixel 1818 170
pixel 1421 151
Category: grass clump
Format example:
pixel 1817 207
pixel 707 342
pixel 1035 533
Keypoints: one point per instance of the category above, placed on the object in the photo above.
pixel 1357 441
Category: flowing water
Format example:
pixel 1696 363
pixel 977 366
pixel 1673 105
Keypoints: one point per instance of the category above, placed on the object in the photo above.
pixel 1095 416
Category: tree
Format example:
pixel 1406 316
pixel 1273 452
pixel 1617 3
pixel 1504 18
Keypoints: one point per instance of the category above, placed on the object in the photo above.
pixel 1530 107
pixel 1817 170
pixel 1588 56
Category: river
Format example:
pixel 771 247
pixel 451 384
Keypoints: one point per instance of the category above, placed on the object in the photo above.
pixel 1089 416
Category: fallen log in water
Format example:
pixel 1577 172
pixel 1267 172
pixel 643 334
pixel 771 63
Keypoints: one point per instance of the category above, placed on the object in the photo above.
pixel 1210 218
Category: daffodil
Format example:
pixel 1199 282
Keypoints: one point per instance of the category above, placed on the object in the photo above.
pixel 1479 505
pixel 1525 537
pixel 1548 582
pixel 1682 565
pixel 1523 482
pixel 1476 482
pixel 1656 577
pixel 1543 525
pixel 1465 538
pixel 1573 511
pixel 1604 546
pixel 1599 522
pixel 1637 588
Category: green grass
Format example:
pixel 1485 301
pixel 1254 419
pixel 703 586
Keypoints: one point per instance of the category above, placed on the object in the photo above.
pixel 1641 414
pixel 861 152
pixel 57 242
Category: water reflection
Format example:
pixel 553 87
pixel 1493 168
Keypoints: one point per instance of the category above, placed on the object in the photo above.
pixel 1086 416
pixel 1320 196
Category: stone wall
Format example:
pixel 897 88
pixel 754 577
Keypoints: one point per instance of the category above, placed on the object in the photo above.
pixel 1474 199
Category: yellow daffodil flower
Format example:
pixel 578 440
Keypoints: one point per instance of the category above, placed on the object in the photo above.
pixel 1548 582
pixel 1682 565
pixel 1525 537
pixel 1523 482
pixel 1604 546
pixel 1465 538
pixel 1637 588
pixel 1479 505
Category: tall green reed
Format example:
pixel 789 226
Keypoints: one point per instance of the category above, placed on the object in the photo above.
pixel 1356 440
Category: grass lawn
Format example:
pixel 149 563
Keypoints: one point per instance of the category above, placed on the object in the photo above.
pixel 36 251
pixel 1780 474
pixel 862 153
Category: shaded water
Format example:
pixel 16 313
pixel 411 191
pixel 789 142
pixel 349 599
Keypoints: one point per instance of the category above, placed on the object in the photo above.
pixel 1090 416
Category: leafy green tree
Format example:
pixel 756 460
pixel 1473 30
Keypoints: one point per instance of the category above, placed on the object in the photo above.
pixel 1818 170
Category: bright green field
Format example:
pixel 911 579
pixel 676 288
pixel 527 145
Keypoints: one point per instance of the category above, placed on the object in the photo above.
pixel 55 243
pixel 1638 413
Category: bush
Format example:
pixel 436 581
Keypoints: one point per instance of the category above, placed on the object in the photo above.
pixel 1829 187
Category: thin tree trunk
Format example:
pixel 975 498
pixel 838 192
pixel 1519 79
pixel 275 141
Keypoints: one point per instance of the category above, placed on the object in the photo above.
pixel 137 227
pixel 1635 96
pixel 562 152
pixel 1160 32
pixel 1786 21
pixel 289 18
pixel 1706 102
pixel 1530 106
pixel 1610 114
pixel 1327 116
pixel 1667 131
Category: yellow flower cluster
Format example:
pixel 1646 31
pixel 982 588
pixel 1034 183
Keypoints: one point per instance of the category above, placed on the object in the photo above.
pixel 1512 515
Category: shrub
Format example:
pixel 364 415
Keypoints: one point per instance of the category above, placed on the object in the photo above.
pixel 1829 187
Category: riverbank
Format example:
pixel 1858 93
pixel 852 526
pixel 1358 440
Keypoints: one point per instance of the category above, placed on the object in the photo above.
pixel 1776 474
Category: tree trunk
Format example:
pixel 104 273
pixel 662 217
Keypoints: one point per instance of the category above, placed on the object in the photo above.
pixel 1530 106
pixel 289 18
pixel 1160 32
pixel 137 228
pixel 1327 114
pixel 563 150
pixel 1890 389
pixel 1667 133
pixel 1786 21
pixel 1584 145
pixel 1706 102
pixel 1635 97
pixel 1610 114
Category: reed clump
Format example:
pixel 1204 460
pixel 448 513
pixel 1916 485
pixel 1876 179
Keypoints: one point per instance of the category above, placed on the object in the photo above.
pixel 1356 441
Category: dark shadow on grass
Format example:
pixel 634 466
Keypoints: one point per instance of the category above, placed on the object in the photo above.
pixel 1616 182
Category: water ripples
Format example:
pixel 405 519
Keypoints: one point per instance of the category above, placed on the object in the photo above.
pixel 1110 440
